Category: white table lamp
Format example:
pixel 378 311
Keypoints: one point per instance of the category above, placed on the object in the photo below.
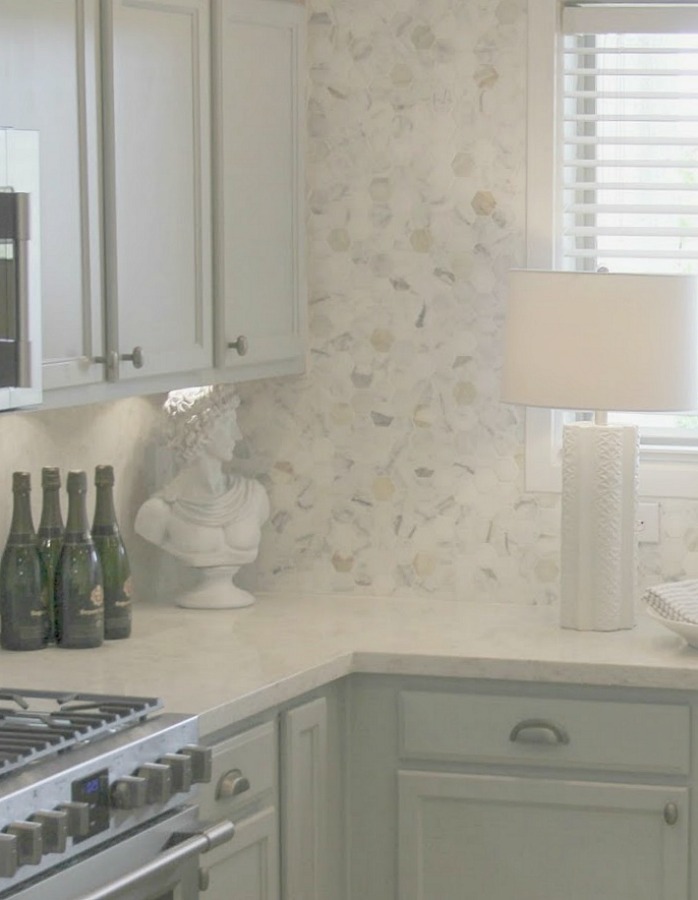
pixel 601 342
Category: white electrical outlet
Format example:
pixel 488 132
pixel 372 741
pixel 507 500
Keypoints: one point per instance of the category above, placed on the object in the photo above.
pixel 647 524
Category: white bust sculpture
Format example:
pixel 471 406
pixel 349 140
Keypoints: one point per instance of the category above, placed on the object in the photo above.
pixel 206 518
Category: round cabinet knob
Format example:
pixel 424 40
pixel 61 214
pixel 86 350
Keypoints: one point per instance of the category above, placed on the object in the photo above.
pixel 232 784
pixel 129 792
pixel 110 361
pixel 158 782
pixel 29 843
pixel 201 762
pixel 54 829
pixel 241 344
pixel 671 814
pixel 180 771
pixel 135 356
pixel 78 818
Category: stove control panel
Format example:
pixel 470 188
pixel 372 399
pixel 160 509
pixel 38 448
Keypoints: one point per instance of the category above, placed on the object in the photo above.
pixel 90 799
pixel 96 796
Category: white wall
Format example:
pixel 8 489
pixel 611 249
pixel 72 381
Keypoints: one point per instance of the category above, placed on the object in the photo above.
pixel 391 466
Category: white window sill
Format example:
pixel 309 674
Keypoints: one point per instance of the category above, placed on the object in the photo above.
pixel 663 473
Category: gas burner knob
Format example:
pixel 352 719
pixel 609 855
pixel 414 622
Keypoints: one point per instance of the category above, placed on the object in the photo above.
pixel 54 829
pixel 180 766
pixel 201 762
pixel 29 843
pixel 78 820
pixel 129 792
pixel 158 779
pixel 8 855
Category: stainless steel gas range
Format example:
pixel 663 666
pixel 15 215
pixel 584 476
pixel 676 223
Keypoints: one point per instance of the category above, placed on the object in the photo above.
pixel 98 799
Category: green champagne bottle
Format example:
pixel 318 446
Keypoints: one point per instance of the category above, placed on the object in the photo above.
pixel 118 586
pixel 79 585
pixel 50 538
pixel 23 611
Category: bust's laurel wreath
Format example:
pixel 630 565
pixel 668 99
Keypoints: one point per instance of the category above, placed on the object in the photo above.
pixel 190 414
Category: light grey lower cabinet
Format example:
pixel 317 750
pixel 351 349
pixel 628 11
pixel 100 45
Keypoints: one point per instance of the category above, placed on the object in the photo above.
pixel 463 836
pixel 460 792
pixel 280 782
pixel 304 778
pixel 395 788
pixel 244 788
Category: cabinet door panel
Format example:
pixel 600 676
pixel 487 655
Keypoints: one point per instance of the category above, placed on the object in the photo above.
pixel 469 836
pixel 246 868
pixel 157 178
pixel 49 82
pixel 304 773
pixel 259 120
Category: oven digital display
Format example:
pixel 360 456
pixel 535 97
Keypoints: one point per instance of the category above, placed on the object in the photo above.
pixel 93 790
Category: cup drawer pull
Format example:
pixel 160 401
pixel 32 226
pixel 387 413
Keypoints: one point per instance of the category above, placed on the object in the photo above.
pixel 539 731
pixel 232 784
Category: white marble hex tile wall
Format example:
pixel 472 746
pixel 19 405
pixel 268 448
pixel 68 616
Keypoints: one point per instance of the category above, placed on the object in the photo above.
pixel 392 466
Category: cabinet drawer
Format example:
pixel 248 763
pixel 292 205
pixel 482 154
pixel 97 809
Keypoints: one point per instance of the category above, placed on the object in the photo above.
pixel 641 737
pixel 244 765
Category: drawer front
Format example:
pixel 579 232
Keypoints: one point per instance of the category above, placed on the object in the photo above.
pixel 570 733
pixel 244 770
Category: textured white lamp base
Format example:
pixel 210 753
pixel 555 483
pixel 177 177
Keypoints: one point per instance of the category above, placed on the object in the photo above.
pixel 215 590
pixel 599 544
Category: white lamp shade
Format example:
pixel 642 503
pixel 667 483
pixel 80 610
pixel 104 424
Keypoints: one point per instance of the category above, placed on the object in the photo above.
pixel 601 341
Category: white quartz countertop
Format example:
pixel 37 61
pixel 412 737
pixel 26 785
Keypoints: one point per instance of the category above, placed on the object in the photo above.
pixel 230 664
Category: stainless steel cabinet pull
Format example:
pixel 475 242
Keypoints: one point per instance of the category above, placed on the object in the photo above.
pixel 671 814
pixel 539 731
pixel 135 356
pixel 232 784
pixel 241 345
pixel 201 842
pixel 111 360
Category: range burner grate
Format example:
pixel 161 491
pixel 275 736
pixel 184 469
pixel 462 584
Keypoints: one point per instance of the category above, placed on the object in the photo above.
pixel 36 724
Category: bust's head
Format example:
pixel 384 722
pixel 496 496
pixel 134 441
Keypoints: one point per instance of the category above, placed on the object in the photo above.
pixel 200 420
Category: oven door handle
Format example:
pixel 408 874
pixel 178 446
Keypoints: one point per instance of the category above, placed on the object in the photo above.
pixel 201 841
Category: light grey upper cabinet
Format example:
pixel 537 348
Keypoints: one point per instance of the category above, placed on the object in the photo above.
pixel 259 186
pixel 49 82
pixel 161 124
pixel 157 195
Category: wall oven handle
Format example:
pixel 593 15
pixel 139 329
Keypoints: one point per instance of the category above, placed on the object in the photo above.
pixel 200 841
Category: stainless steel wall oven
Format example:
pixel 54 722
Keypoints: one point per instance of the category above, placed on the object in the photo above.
pixel 98 799
pixel 20 269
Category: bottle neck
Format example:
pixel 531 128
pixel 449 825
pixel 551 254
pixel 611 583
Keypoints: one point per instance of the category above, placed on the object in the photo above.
pixel 22 526
pixel 51 518
pixel 105 516
pixel 77 526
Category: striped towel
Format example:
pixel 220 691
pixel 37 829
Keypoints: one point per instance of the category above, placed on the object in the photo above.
pixel 675 600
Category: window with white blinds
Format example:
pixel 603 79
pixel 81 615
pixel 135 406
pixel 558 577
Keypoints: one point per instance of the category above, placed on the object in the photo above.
pixel 613 180
pixel 629 135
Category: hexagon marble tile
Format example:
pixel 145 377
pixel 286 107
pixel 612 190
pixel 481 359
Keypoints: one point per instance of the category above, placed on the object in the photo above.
pixel 391 466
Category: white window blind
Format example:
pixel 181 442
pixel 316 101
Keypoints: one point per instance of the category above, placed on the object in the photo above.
pixel 613 180
pixel 629 136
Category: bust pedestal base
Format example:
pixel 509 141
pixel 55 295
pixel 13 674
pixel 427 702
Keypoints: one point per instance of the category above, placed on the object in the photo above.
pixel 216 590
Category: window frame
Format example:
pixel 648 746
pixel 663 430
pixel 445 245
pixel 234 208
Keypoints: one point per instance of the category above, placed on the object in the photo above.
pixel 665 471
